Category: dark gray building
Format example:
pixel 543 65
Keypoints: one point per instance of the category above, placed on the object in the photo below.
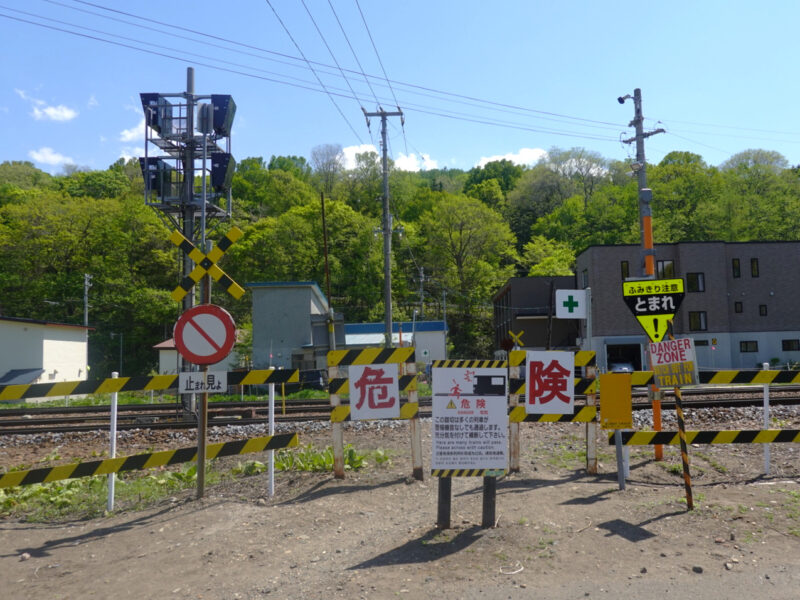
pixel 527 305
pixel 740 303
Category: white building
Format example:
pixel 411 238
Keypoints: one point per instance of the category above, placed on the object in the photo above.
pixel 42 352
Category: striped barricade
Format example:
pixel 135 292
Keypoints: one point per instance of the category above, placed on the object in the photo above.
pixel 741 436
pixel 142 383
pixel 146 461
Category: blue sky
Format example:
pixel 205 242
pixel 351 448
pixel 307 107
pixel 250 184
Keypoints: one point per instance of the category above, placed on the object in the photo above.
pixel 476 80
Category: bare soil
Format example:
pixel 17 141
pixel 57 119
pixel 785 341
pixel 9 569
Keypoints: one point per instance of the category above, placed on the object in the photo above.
pixel 559 534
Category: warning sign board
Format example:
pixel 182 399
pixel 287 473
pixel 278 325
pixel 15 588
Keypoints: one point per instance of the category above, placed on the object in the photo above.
pixel 374 392
pixel 470 419
pixel 550 383
pixel 674 363
pixel 215 382
pixel 616 406
pixel 654 303
pixel 205 334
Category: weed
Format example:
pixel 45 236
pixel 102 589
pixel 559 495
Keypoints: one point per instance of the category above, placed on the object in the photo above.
pixel 308 458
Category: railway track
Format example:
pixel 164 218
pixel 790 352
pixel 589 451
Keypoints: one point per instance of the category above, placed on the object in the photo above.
pixel 28 421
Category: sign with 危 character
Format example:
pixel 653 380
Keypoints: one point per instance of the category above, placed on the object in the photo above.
pixel 550 383
pixel 470 419
pixel 374 391
pixel 673 362
pixel 654 303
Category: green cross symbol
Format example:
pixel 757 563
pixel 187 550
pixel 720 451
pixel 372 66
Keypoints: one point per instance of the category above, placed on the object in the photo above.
pixel 570 304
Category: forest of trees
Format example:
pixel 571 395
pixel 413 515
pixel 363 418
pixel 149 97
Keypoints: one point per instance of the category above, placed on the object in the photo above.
pixel 464 233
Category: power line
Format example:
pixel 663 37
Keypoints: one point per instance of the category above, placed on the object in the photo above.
pixel 377 54
pixel 324 41
pixel 355 56
pixel 296 45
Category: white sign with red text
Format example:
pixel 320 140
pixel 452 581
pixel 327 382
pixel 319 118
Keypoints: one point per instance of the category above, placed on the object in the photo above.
pixel 550 383
pixel 374 392
pixel 470 418
pixel 673 362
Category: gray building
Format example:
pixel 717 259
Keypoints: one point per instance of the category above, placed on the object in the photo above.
pixel 739 305
pixel 290 325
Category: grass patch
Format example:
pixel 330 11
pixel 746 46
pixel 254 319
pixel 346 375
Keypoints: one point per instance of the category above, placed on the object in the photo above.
pixel 308 458
pixel 86 497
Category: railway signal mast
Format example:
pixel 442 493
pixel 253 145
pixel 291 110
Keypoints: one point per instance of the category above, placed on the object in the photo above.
pixel 190 135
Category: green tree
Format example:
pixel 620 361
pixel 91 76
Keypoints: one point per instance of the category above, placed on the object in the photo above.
pixel 296 165
pixel 504 171
pixel 471 250
pixel 544 257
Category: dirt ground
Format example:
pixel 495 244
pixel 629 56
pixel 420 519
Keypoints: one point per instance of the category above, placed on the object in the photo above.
pixel 560 533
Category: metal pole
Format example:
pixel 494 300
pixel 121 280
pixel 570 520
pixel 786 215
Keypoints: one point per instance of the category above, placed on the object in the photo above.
pixel 112 451
pixel 591 399
pixel 489 502
pixel 765 366
pixel 187 213
pixel 445 496
pixel 271 454
pixel 202 426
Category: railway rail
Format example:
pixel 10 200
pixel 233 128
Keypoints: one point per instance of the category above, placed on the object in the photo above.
pixel 25 421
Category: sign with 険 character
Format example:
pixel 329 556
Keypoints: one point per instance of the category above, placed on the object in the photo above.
pixel 673 362
pixel 470 419
pixel 550 383
pixel 374 392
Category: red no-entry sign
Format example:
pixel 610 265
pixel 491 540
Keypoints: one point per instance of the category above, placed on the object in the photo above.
pixel 205 334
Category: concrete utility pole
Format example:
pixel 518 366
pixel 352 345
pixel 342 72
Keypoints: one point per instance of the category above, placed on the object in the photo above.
pixel 387 223
pixel 645 228
pixel 645 194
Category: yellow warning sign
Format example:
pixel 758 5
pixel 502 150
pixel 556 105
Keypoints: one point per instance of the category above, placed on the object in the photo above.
pixel 654 303
pixel 451 404
pixel 616 408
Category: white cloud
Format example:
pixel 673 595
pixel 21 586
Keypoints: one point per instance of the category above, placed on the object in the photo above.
pixel 92 102
pixel 43 111
pixel 351 151
pixel 48 156
pixel 129 152
pixel 134 134
pixel 412 162
pixel 54 113
pixel 525 156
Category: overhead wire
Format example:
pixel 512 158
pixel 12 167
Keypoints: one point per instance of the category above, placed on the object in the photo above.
pixel 355 56
pixel 441 95
pixel 296 45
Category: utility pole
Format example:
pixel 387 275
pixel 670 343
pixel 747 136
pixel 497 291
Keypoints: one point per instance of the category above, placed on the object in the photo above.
pixel 387 222
pixel 87 283
pixel 421 293
pixel 645 193
pixel 645 228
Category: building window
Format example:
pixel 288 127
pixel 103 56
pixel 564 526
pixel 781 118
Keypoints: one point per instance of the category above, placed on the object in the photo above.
pixel 737 270
pixel 737 307
pixel 626 270
pixel 748 346
pixel 695 282
pixel 762 310
pixel 754 267
pixel 665 268
pixel 697 321
pixel 701 342
pixel 790 345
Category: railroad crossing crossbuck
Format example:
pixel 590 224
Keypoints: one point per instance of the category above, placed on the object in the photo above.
pixel 206 263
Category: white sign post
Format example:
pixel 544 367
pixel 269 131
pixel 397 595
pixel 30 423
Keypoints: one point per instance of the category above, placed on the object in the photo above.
pixel 470 419
pixel 550 383
pixel 374 391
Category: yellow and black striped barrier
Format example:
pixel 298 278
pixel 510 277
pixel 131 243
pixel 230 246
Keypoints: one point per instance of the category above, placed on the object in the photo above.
pixel 206 263
pixel 586 414
pixel 341 413
pixel 583 358
pixel 146 461
pixel 467 472
pixel 760 377
pixel 742 436
pixel 137 384
pixel 370 356
pixel 469 364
